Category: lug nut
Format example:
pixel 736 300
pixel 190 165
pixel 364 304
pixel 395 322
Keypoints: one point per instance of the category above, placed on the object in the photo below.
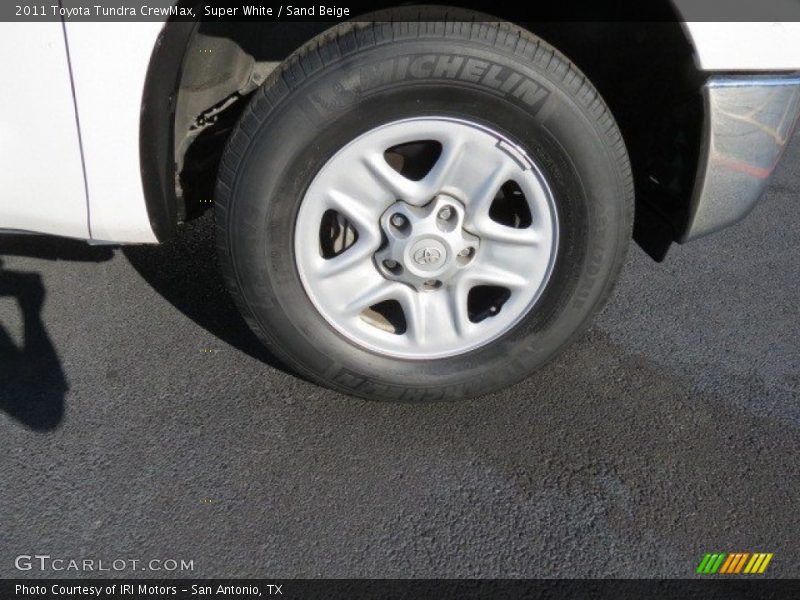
pixel 465 256
pixel 398 220
pixel 390 264
pixel 445 213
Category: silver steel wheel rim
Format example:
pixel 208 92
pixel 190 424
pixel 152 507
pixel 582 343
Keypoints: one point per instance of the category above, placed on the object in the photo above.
pixel 364 193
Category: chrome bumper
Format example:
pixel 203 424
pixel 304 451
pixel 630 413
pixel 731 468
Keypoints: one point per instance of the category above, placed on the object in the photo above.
pixel 749 121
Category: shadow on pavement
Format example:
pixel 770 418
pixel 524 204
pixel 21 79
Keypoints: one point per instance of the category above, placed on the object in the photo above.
pixel 184 271
pixel 32 380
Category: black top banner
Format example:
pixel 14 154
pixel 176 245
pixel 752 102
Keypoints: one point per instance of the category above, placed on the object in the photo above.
pixel 342 10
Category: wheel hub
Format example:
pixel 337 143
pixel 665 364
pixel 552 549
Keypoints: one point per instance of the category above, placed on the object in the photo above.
pixel 425 246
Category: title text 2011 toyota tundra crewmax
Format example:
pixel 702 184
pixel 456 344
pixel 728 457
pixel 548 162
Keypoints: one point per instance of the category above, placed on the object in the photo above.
pixel 405 208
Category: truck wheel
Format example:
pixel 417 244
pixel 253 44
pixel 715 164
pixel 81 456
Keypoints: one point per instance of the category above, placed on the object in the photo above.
pixel 423 211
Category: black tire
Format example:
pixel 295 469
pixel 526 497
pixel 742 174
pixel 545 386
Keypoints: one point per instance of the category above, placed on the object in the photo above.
pixel 339 86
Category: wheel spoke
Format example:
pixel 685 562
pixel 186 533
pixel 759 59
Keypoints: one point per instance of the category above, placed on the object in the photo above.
pixel 391 181
pixel 376 291
pixel 339 278
pixel 480 201
pixel 457 300
pixel 503 264
pixel 430 316
pixel 446 168
pixel 418 193
pixel 426 243
pixel 494 275
pixel 354 257
pixel 359 184
pixel 491 230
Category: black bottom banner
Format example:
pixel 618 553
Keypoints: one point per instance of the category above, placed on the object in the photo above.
pixel 180 589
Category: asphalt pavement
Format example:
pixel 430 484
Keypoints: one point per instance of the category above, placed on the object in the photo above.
pixel 140 419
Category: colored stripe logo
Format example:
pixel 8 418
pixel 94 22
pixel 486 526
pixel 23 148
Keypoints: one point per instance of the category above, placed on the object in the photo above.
pixel 734 563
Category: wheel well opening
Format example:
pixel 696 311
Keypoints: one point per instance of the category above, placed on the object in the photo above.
pixel 647 75
pixel 644 71
pixel 223 65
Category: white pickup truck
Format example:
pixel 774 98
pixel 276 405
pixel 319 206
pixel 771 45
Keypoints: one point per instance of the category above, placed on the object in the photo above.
pixel 410 209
